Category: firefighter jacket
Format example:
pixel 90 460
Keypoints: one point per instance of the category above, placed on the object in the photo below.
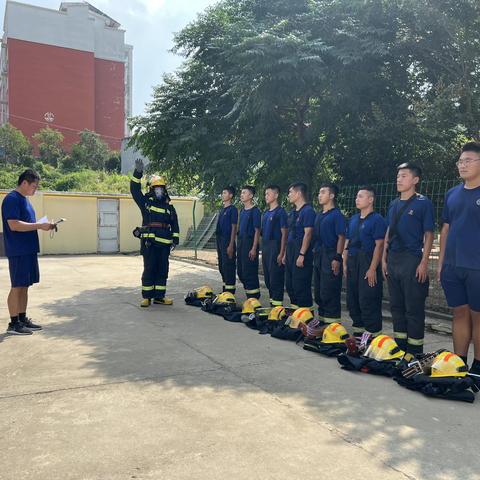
pixel 159 218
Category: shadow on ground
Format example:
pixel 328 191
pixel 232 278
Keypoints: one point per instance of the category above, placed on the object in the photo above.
pixel 181 347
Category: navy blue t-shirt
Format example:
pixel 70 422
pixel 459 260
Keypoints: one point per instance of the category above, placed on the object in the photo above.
pixel 299 220
pixel 272 223
pixel 373 227
pixel 462 213
pixel 417 219
pixel 17 207
pixel 249 220
pixel 328 227
pixel 227 217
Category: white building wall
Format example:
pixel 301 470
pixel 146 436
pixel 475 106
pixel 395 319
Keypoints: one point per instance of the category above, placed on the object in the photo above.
pixel 76 27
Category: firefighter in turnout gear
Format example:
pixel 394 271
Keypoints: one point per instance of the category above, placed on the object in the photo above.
pixel 158 235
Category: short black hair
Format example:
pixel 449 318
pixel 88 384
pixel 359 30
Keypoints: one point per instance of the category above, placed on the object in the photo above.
pixel 273 187
pixel 230 189
pixel 414 169
pixel 28 176
pixel 332 187
pixel 369 189
pixel 471 147
pixel 300 187
pixel 250 189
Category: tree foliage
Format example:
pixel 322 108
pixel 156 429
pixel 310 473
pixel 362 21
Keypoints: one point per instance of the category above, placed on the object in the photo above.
pixel 50 146
pixel 90 167
pixel 90 152
pixel 15 147
pixel 283 90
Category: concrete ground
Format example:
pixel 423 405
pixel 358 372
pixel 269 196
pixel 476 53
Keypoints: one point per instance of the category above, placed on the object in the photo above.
pixel 111 391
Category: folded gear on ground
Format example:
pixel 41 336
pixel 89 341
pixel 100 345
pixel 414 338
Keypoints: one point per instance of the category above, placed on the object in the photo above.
pixel 293 327
pixel 197 296
pixel 332 343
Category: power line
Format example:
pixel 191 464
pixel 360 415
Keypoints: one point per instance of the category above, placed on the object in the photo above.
pixel 60 127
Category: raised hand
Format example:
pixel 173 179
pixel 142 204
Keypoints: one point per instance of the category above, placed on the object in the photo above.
pixel 139 167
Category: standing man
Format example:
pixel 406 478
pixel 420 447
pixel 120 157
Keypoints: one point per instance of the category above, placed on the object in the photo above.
pixel 21 247
pixel 329 234
pixel 298 259
pixel 274 244
pixel 406 252
pixel 248 243
pixel 159 234
pixel 226 233
pixel 362 265
pixel 459 263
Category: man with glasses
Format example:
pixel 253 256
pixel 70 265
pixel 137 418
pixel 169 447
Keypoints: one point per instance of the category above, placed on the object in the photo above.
pixel 459 262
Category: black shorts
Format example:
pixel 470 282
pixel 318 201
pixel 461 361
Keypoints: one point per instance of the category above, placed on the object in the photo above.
pixel 24 270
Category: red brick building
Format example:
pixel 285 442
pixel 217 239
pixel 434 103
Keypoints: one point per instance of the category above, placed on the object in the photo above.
pixel 68 68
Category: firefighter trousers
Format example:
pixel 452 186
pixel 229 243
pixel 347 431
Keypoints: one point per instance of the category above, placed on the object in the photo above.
pixel 155 270
pixel 274 274
pixel 327 286
pixel 248 269
pixel 298 281
pixel 407 300
pixel 226 265
pixel 364 303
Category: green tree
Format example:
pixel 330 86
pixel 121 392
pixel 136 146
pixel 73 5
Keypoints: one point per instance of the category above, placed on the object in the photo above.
pixel 114 162
pixel 15 147
pixel 50 148
pixel 90 152
pixel 282 90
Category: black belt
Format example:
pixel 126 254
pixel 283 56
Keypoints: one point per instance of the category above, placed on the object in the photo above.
pixel 159 225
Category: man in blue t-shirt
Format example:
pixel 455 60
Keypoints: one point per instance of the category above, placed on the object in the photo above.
pixel 298 259
pixel 407 249
pixel 226 234
pixel 362 265
pixel 21 247
pixel 248 243
pixel 329 241
pixel 274 244
pixel 459 263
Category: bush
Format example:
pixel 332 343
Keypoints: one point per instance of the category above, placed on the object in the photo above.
pixel 54 179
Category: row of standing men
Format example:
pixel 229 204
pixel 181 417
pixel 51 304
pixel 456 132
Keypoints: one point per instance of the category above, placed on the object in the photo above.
pixel 303 245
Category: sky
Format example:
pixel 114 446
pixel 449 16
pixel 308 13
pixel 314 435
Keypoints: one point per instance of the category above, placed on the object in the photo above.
pixel 149 25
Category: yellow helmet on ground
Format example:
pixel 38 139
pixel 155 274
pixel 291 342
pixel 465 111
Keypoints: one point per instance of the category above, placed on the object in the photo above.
pixel 204 292
pixel 384 347
pixel 447 364
pixel 250 305
pixel 225 297
pixel 335 333
pixel 299 316
pixel 157 181
pixel 277 313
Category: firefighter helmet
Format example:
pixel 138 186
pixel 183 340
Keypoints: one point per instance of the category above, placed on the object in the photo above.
pixel 447 364
pixel 225 297
pixel 157 181
pixel 299 316
pixel 384 347
pixel 203 292
pixel 250 305
pixel 277 313
pixel 335 333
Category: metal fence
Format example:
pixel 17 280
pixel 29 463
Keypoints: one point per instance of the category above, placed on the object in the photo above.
pixel 435 190
pixel 200 242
